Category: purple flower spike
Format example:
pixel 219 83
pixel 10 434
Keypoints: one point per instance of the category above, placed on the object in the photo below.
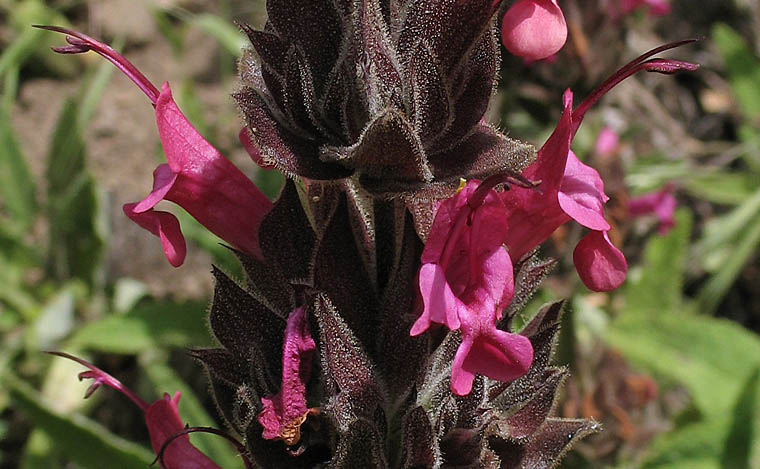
pixel 161 417
pixel 284 413
pixel 197 178
pixel 466 280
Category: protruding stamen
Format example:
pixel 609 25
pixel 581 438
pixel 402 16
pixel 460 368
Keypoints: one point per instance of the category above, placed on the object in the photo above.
pixel 509 177
pixel 641 63
pixel 101 377
pixel 80 43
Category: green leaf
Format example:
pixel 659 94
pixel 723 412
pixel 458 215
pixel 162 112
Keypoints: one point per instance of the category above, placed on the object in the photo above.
pixel 229 37
pixel 76 240
pixel 738 255
pixel 83 441
pixel 742 67
pixel 722 231
pixel 722 187
pixel 193 414
pixel 711 357
pixel 17 188
pixel 161 324
pixel 742 447
pixel 696 445
pixel 66 155
pixel 730 440
pixel 657 285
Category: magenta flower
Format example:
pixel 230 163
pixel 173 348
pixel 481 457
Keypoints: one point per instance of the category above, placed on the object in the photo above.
pixel 161 417
pixel 534 29
pixel 571 190
pixel 607 142
pixel 284 413
pixel 197 177
pixel 465 282
pixel 660 203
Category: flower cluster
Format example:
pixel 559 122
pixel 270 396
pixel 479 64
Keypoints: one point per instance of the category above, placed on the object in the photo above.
pixel 402 210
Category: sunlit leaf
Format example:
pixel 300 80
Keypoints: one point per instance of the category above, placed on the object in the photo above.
pixel 83 441
pixel 17 189
pixel 162 324
pixel 657 285
pixel 742 66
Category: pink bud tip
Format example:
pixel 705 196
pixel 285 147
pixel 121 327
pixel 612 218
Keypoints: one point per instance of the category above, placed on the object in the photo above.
pixel 534 29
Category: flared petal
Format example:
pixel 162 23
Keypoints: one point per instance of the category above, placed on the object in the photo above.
pixel 461 378
pixel 163 181
pixel 600 265
pixel 441 305
pixel 500 355
pixel 166 227
pixel 581 195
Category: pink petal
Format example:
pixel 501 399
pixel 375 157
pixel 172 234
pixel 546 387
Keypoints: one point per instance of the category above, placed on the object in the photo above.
pixel 534 29
pixel 600 265
pixel 549 167
pixel 441 305
pixel 494 353
pixel 287 409
pixel 581 195
pixel 461 378
pixel 499 355
pixel 163 181
pixel 533 215
pixel 464 265
pixel 166 227
pixel 162 419
pixel 208 186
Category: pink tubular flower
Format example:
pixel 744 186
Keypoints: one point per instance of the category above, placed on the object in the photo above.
pixel 571 190
pixel 197 177
pixel 660 203
pixel 161 418
pixel 466 280
pixel 534 29
pixel 283 414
